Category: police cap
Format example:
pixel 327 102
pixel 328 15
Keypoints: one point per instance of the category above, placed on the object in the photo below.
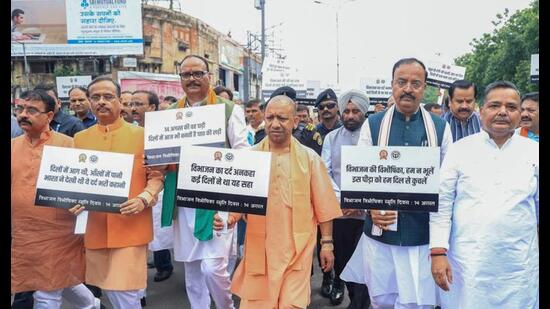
pixel 327 94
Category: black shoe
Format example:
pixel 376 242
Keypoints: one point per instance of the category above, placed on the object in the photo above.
pixel 326 287
pixel 143 302
pixel 337 293
pixel 150 265
pixel 162 275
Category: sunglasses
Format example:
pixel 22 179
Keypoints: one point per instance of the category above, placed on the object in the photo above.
pixel 327 106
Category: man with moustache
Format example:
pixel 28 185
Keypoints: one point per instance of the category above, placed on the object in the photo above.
pixel 208 258
pixel 79 104
pixel 143 101
pixel 353 106
pixel 302 112
pixel 255 118
pixel 484 241
pixel 116 243
pixel 529 124
pixel 393 264
pixel 462 117
pixel 147 101
pixel 328 111
pixel 61 122
pixel 46 256
pixel 126 110
pixel 276 268
pixel 326 104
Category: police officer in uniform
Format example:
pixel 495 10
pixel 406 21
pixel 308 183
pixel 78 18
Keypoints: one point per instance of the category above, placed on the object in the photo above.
pixel 305 134
pixel 327 105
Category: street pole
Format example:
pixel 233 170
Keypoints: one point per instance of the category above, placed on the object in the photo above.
pixel 26 65
pixel 262 3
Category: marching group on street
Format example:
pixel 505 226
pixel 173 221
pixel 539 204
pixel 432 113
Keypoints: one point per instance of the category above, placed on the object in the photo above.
pixel 479 250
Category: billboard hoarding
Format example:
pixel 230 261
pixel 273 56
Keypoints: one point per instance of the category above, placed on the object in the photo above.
pixel 72 28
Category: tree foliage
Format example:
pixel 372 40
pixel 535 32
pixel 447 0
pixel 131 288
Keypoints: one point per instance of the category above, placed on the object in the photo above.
pixel 505 53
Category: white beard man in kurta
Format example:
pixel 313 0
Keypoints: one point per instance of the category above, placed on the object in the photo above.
pixel 488 213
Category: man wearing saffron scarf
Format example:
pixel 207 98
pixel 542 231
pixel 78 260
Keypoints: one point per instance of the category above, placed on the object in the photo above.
pixel 116 244
pixel 207 257
pixel 394 264
pixel 276 268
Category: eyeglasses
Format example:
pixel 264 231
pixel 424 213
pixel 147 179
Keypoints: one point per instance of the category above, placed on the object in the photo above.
pixel 415 84
pixel 195 74
pixel 107 97
pixel 33 111
pixel 327 106
pixel 136 104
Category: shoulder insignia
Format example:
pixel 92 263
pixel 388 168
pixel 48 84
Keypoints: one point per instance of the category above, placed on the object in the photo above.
pixel 317 137
pixel 310 127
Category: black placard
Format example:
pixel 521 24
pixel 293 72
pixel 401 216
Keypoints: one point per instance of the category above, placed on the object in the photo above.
pixel 389 201
pixel 222 202
pixel 66 200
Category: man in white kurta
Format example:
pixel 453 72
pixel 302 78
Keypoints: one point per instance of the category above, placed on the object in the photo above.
pixel 395 265
pixel 487 219
pixel 207 261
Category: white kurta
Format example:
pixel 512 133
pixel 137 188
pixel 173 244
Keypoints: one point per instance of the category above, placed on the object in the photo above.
pixel 186 247
pixel 391 269
pixel 163 237
pixel 487 219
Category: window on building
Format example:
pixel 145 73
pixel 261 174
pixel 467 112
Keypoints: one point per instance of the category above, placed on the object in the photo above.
pixel 222 77
pixel 236 79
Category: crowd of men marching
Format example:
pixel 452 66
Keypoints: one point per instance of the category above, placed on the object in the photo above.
pixel 480 250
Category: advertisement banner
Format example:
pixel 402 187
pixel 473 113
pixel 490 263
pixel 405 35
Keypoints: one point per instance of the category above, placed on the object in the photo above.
pixel 390 178
pixel 66 83
pixel 224 179
pixel 72 28
pixel 378 89
pixel 162 84
pixel 442 75
pixel 68 176
pixel 166 131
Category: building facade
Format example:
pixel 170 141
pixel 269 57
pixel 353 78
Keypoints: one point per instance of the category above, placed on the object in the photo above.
pixel 168 36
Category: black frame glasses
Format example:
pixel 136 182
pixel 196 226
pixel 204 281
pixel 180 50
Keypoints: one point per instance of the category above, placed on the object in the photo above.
pixel 31 110
pixel 194 74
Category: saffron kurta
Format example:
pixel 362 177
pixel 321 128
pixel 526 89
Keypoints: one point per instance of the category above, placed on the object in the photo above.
pixel 111 231
pixel 276 268
pixel 45 253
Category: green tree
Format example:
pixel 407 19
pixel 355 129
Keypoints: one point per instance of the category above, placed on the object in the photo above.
pixel 430 95
pixel 505 53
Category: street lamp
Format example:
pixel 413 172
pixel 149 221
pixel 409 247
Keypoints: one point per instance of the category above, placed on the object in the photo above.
pixel 337 9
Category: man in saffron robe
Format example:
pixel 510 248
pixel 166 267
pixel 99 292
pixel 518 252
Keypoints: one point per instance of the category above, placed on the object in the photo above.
pixel 276 268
